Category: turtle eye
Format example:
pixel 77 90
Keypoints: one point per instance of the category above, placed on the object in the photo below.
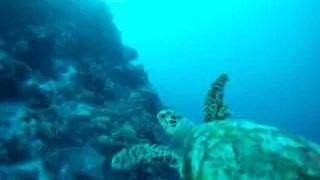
pixel 163 116
pixel 172 121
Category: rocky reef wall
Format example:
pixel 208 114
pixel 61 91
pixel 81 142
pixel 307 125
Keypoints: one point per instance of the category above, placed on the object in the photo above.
pixel 70 96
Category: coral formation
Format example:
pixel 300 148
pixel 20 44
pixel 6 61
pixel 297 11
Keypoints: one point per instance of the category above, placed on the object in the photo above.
pixel 70 95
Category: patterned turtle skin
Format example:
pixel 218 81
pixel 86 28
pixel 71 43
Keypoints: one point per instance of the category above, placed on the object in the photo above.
pixel 228 149
pixel 240 149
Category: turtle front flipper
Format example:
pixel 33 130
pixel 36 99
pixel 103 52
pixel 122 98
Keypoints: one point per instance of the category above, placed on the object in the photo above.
pixel 145 155
pixel 215 109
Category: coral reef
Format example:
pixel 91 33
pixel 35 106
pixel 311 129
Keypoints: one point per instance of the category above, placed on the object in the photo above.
pixel 70 95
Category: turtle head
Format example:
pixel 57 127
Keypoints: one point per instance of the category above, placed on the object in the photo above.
pixel 174 123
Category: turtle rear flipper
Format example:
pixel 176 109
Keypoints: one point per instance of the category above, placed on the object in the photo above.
pixel 214 108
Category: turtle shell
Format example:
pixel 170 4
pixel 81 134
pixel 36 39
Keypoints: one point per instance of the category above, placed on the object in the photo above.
pixel 240 149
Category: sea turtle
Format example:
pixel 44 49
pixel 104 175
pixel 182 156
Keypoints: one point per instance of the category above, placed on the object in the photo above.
pixel 226 149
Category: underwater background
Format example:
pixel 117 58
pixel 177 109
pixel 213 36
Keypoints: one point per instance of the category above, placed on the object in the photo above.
pixel 80 80
pixel 269 48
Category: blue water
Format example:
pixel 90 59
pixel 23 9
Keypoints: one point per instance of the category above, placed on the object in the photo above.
pixel 270 49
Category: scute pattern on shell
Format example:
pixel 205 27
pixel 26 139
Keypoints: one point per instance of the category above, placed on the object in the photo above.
pixel 240 149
